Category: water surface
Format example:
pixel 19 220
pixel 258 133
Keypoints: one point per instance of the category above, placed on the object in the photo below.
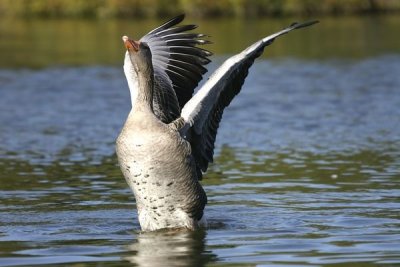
pixel 306 169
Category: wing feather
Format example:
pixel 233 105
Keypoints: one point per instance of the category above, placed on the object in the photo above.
pixel 176 54
pixel 203 112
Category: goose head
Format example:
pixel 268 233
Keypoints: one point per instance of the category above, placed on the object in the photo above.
pixel 138 56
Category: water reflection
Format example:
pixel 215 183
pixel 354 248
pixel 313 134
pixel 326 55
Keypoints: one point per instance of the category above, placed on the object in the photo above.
pixel 82 42
pixel 314 208
pixel 294 208
pixel 176 248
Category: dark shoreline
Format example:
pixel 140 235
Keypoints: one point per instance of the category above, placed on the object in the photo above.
pixel 200 9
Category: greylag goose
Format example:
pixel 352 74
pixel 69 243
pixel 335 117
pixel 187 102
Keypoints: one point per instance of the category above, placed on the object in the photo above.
pixel 168 138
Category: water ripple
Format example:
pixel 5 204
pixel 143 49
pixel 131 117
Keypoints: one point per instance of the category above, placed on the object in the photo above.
pixel 306 170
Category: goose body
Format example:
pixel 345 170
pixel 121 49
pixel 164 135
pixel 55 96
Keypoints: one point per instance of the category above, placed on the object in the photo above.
pixel 161 171
pixel 168 138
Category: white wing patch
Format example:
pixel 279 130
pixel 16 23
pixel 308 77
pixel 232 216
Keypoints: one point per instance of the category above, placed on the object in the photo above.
pixel 204 99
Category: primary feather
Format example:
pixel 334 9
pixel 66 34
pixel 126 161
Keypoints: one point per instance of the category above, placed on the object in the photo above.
pixel 175 53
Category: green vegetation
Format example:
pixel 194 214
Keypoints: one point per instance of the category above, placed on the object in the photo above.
pixel 196 8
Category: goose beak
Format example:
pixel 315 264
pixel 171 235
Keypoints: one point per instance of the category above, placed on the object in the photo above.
pixel 131 45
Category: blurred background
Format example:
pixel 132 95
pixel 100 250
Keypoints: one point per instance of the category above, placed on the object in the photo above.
pixel 307 157
pixel 197 8
pixel 38 33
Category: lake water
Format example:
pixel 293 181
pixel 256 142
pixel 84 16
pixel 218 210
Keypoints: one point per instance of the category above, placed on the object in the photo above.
pixel 307 162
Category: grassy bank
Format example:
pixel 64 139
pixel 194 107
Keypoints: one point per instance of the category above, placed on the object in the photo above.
pixel 195 8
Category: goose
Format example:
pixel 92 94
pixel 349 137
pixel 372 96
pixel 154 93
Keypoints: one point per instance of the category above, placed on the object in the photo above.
pixel 168 138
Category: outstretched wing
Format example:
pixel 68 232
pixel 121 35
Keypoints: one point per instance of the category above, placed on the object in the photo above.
pixel 175 53
pixel 203 112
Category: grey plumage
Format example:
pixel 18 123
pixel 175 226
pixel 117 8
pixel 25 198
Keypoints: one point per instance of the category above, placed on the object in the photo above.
pixel 168 138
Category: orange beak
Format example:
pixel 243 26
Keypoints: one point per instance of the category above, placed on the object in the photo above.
pixel 131 45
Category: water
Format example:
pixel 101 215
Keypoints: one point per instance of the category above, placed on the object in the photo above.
pixel 306 169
